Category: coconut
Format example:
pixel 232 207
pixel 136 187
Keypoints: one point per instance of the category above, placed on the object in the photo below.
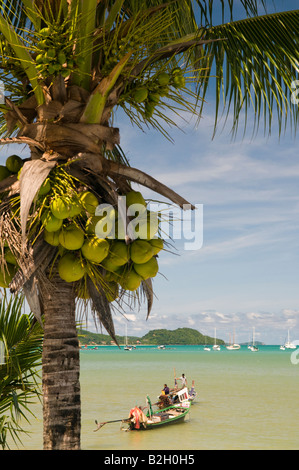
pixel 71 237
pixel 147 226
pixel 119 253
pixel 91 223
pixel 51 223
pixel 135 197
pixel 14 163
pixel 7 275
pixel 45 187
pixel 89 201
pixel 141 251
pixel 60 208
pixel 70 268
pixel 148 269
pixel 52 237
pixel 75 209
pixel 109 266
pixel 157 244
pixel 95 249
pixel 140 94
pixel 163 78
pixel 130 281
pixel 4 172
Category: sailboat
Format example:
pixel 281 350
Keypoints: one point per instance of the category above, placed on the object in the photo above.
pixel 127 347
pixel 216 347
pixel 233 346
pixel 252 346
pixel 289 344
pixel 206 348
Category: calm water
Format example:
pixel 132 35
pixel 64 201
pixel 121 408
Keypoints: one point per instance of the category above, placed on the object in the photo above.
pixel 245 400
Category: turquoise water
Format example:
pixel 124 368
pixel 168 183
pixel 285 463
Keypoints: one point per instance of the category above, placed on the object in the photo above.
pixel 246 400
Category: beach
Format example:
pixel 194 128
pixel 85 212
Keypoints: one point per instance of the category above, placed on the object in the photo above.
pixel 246 400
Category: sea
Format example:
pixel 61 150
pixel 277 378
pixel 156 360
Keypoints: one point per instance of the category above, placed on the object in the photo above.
pixel 245 400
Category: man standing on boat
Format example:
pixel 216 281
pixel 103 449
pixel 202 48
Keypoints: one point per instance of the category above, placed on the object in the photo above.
pixel 183 379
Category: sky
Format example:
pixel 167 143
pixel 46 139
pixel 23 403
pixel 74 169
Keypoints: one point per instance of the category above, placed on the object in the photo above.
pixel 245 274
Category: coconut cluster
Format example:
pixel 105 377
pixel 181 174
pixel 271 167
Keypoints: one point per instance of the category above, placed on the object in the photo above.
pixel 93 245
pixel 149 93
pixel 54 54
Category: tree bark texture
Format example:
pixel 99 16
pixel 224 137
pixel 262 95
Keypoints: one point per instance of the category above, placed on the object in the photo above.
pixel 61 366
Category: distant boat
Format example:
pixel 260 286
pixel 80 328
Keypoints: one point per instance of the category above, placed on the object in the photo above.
pixel 127 347
pixel 161 346
pixel 216 347
pixel 252 346
pixel 289 344
pixel 206 348
pixel 233 346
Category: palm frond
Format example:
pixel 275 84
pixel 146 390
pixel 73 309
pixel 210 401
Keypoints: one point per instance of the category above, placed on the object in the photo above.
pixel 254 66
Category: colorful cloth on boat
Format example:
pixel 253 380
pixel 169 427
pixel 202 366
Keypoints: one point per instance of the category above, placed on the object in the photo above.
pixel 137 416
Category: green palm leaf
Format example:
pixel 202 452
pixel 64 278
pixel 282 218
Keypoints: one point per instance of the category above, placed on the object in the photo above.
pixel 254 65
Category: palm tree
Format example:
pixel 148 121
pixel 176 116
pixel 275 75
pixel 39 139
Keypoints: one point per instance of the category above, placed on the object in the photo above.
pixel 21 341
pixel 67 66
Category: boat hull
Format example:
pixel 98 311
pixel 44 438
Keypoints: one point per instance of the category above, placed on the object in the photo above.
pixel 165 417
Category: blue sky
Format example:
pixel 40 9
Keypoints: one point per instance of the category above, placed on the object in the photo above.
pixel 246 273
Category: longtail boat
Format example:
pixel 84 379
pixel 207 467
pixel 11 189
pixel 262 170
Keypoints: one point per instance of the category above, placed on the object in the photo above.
pixel 138 420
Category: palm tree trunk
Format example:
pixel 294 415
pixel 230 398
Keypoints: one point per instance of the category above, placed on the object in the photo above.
pixel 61 367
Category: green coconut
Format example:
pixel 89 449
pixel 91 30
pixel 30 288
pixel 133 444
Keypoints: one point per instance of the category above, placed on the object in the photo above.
pixel 157 244
pixel 148 269
pixel 163 78
pixel 45 187
pixel 6 276
pixel 89 201
pixel 119 253
pixel 75 209
pixel 91 223
pixel 95 249
pixel 140 95
pixel 135 197
pixel 4 172
pixel 131 281
pixel 109 265
pixel 14 163
pixel 60 208
pixel 141 251
pixel 70 268
pixel 147 226
pixel 51 223
pixel 71 237
pixel 52 237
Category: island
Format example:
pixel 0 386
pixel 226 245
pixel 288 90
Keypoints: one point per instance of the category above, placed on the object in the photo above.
pixel 180 336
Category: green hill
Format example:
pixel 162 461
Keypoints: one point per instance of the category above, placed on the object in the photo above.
pixel 156 337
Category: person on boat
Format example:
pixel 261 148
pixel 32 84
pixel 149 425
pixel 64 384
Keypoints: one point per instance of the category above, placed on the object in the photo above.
pixel 138 418
pixel 183 379
pixel 165 389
